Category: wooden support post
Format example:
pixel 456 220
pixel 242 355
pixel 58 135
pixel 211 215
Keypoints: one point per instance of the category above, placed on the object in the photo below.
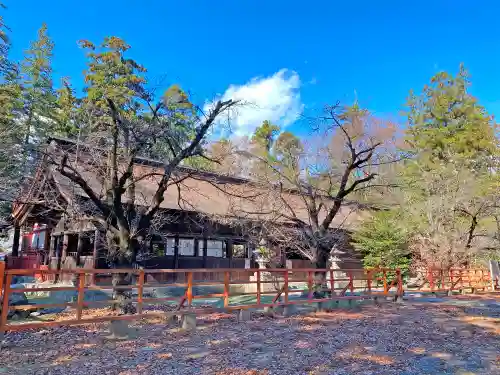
pixel 95 254
pixel 140 291
pixel 431 279
pixel 386 290
pixel 59 254
pixel 226 288
pixel 229 252
pixel 81 294
pixel 176 253
pixel 189 291
pixel 79 246
pixel 205 253
pixel 197 247
pixel 258 288
pixel 52 249
pixel 5 306
pixel 15 245
pixel 46 246
pixel 65 246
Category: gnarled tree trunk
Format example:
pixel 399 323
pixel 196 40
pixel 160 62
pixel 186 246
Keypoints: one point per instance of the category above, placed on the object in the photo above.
pixel 320 261
pixel 123 258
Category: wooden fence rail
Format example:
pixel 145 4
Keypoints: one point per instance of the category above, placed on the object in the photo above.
pixel 456 279
pixel 267 288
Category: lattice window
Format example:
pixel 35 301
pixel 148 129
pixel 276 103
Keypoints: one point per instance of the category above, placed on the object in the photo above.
pixel 186 247
pixel 170 248
pixel 216 249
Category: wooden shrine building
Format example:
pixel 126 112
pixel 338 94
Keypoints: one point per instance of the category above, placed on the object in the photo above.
pixel 197 221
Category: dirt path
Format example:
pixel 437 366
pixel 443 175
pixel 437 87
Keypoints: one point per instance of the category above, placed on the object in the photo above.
pixel 393 339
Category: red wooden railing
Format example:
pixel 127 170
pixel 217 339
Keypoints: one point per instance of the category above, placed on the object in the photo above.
pixel 267 287
pixel 281 284
pixel 456 279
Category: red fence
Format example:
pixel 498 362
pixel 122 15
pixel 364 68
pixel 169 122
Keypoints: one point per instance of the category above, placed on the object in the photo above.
pixel 456 279
pixel 264 288
pixel 267 288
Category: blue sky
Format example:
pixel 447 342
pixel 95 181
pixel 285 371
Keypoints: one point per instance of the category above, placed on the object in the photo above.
pixel 288 56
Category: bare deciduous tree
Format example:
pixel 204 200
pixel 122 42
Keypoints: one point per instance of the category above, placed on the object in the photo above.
pixel 106 186
pixel 308 188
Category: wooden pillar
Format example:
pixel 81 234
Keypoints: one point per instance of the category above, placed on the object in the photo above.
pixel 59 255
pixel 79 246
pixel 229 251
pixel 176 255
pixel 46 244
pixel 15 245
pixel 52 248
pixel 176 252
pixel 205 252
pixel 196 247
pixel 248 254
pixel 65 246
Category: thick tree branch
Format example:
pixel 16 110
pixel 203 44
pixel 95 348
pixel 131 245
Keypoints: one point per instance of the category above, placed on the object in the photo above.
pixel 220 107
pixel 75 177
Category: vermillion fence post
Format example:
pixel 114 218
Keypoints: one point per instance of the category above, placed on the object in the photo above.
pixel 258 287
pixel 442 279
pixel 189 292
pixel 351 282
pixel 5 306
pixel 285 286
pixel 81 295
pixel 140 291
pixel 431 279
pixel 386 290
pixel 226 289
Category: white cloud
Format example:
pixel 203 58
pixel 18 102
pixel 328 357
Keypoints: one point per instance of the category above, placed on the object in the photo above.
pixel 275 98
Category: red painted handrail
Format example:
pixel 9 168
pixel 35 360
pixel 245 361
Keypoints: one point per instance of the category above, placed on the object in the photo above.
pixel 280 279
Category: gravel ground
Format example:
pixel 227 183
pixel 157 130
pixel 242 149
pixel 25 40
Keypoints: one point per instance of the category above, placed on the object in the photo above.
pixel 412 338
